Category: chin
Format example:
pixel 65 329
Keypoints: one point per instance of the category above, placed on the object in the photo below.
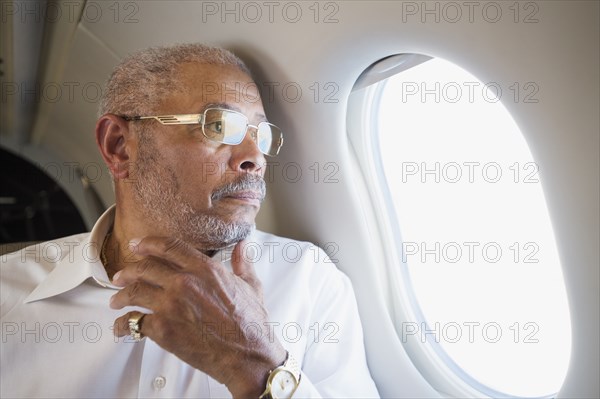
pixel 246 216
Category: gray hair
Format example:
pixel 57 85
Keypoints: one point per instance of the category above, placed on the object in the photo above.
pixel 142 79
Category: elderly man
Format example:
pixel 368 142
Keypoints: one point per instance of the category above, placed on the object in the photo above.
pixel 174 293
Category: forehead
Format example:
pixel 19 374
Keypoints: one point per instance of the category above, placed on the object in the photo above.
pixel 204 84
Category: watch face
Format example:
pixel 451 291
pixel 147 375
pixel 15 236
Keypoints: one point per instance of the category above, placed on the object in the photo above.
pixel 283 385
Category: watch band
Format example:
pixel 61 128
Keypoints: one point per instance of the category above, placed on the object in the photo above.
pixel 291 366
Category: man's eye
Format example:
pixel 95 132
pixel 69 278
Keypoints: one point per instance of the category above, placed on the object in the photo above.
pixel 215 127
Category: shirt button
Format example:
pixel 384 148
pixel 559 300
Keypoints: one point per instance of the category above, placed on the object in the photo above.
pixel 160 382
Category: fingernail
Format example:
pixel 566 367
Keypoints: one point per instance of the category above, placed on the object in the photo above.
pixel 116 276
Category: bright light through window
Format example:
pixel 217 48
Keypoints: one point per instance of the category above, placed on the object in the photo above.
pixel 476 234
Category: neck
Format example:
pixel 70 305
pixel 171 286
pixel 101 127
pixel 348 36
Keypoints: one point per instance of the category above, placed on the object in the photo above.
pixel 116 253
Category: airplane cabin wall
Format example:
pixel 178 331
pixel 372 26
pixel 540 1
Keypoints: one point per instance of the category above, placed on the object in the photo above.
pixel 559 53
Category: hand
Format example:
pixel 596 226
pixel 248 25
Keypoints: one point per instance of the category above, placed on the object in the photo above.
pixel 200 311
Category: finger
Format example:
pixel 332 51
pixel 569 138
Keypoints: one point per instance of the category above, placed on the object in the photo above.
pixel 138 294
pixel 121 325
pixel 178 252
pixel 242 268
pixel 150 270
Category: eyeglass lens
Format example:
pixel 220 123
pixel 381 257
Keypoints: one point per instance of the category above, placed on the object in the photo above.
pixel 229 127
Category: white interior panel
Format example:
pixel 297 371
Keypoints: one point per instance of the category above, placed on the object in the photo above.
pixel 559 52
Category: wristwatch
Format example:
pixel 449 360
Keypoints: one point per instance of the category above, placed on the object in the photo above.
pixel 283 381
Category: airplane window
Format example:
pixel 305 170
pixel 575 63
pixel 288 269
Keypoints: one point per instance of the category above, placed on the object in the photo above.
pixel 479 269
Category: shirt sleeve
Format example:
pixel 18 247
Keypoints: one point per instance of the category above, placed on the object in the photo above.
pixel 334 363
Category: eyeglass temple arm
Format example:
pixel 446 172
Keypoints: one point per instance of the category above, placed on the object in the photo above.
pixel 187 119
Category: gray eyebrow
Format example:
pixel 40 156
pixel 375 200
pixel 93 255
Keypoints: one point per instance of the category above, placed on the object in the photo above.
pixel 230 107
pixel 220 105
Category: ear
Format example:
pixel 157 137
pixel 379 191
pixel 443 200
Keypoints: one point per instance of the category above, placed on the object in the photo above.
pixel 113 140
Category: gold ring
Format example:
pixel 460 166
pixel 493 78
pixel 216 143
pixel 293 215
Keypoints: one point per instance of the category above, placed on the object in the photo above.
pixel 135 326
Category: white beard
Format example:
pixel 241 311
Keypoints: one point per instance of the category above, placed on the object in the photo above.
pixel 157 193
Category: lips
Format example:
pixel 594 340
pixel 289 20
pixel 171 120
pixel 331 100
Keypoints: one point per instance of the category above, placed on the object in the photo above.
pixel 249 195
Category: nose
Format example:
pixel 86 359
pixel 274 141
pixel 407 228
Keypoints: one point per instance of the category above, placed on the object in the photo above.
pixel 246 157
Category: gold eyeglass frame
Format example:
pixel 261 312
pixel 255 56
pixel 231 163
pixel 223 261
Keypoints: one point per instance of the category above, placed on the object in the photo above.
pixel 198 119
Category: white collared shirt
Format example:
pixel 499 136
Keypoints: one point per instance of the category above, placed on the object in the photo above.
pixel 57 338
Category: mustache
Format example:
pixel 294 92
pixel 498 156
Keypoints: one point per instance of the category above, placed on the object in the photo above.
pixel 243 183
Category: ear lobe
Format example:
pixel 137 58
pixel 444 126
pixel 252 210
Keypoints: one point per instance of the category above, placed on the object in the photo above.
pixel 112 138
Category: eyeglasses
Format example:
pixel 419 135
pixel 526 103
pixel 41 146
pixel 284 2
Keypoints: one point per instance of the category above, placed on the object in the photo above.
pixel 226 127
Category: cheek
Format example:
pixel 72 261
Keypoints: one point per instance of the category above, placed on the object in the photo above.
pixel 199 173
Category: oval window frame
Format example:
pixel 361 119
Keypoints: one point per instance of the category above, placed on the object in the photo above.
pixel 362 128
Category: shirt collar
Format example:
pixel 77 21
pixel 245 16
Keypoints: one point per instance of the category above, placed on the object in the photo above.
pixel 82 262
pixel 78 262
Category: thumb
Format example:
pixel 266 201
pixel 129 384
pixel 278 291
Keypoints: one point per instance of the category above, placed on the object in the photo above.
pixel 242 267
